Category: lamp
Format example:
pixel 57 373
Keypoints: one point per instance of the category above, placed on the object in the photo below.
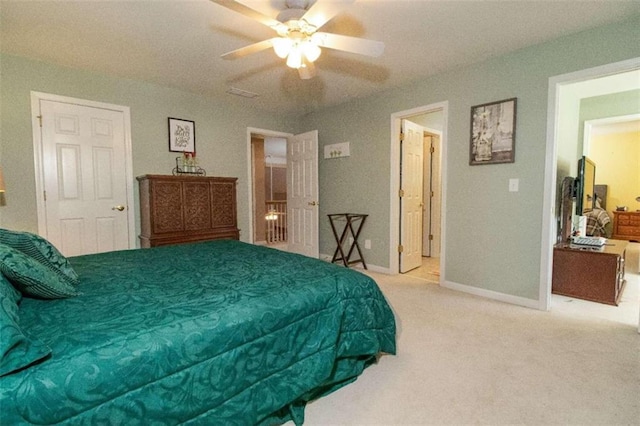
pixel 3 201
pixel 282 46
pixel 294 60
pixel 272 215
pixel 311 50
pixel 296 47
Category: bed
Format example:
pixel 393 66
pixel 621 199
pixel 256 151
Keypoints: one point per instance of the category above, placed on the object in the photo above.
pixel 219 332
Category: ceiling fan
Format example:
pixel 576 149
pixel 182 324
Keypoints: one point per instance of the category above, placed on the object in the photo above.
pixel 299 40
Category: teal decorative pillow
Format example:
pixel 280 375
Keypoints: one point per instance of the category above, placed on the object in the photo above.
pixel 41 250
pixel 31 277
pixel 17 351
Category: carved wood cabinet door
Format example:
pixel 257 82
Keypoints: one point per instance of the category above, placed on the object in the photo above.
pixel 197 206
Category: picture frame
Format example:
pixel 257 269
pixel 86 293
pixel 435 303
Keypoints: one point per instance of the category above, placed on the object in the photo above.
pixel 493 133
pixel 182 135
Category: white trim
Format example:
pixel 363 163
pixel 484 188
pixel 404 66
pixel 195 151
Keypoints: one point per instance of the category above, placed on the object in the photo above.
pixel 370 267
pixel 261 132
pixel 394 204
pixel 36 97
pixel 500 297
pixel 590 124
pixel 548 203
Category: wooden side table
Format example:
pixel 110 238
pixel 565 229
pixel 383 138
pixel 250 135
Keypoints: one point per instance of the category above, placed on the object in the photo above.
pixel 351 220
pixel 590 274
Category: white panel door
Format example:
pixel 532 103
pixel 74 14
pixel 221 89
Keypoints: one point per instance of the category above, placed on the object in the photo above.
pixel 436 196
pixel 302 194
pixel 83 158
pixel 411 201
pixel 432 196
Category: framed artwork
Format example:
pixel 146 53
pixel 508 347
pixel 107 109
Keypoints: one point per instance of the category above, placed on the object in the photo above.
pixel 493 133
pixel 182 135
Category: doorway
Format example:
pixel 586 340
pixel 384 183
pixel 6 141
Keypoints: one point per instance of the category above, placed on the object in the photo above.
pixel 269 178
pixel 432 118
pixel 297 220
pixel 560 159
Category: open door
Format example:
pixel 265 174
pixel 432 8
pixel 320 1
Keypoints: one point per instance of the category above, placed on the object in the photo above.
pixel 302 194
pixel 432 196
pixel 411 196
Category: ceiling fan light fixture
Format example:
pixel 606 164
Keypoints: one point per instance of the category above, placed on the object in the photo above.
pixel 294 60
pixel 311 50
pixel 299 40
pixel 282 46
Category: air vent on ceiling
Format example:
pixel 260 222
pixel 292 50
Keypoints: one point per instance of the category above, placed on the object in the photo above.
pixel 243 93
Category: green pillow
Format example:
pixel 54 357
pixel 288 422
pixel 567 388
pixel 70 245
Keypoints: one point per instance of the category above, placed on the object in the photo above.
pixel 41 250
pixel 31 277
pixel 16 349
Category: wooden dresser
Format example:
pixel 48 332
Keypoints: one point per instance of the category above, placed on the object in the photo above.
pixel 590 274
pixel 183 209
pixel 626 226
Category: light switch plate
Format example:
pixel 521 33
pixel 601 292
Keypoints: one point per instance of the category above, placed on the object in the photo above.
pixel 513 185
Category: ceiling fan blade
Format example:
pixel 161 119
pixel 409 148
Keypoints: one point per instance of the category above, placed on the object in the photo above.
pixel 307 70
pixel 250 13
pixel 248 50
pixel 349 44
pixel 321 12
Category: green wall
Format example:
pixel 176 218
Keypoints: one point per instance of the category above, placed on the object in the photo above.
pixel 606 106
pixel 221 135
pixel 493 236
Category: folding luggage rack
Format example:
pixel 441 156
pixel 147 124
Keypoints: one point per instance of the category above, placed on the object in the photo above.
pixel 353 223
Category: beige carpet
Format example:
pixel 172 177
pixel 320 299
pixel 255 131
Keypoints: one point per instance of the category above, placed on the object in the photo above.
pixel 467 360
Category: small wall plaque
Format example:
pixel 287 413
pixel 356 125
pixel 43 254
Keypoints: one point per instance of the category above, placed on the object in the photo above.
pixel 337 150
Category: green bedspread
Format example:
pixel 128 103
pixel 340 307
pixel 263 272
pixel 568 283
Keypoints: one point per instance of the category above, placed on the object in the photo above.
pixel 213 333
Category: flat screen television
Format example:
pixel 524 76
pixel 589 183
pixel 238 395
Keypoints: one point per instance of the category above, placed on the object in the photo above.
pixel 585 185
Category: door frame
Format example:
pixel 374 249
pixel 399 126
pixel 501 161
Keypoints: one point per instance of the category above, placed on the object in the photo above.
pixel 36 97
pixel 590 124
pixel 266 133
pixel 549 227
pixel 394 200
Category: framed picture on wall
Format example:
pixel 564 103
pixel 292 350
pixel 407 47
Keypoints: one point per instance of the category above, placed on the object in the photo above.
pixel 182 135
pixel 493 133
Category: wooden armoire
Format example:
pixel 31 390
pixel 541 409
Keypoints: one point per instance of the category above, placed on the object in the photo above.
pixel 185 208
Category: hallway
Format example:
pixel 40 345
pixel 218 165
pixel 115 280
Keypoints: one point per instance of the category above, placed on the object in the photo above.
pixel 429 271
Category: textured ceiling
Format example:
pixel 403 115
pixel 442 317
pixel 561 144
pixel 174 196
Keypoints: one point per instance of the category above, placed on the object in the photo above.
pixel 178 43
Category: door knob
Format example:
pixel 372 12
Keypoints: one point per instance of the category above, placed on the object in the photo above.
pixel 119 208
pixel 313 203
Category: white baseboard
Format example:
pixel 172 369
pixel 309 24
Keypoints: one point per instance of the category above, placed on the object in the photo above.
pixel 490 294
pixel 372 268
